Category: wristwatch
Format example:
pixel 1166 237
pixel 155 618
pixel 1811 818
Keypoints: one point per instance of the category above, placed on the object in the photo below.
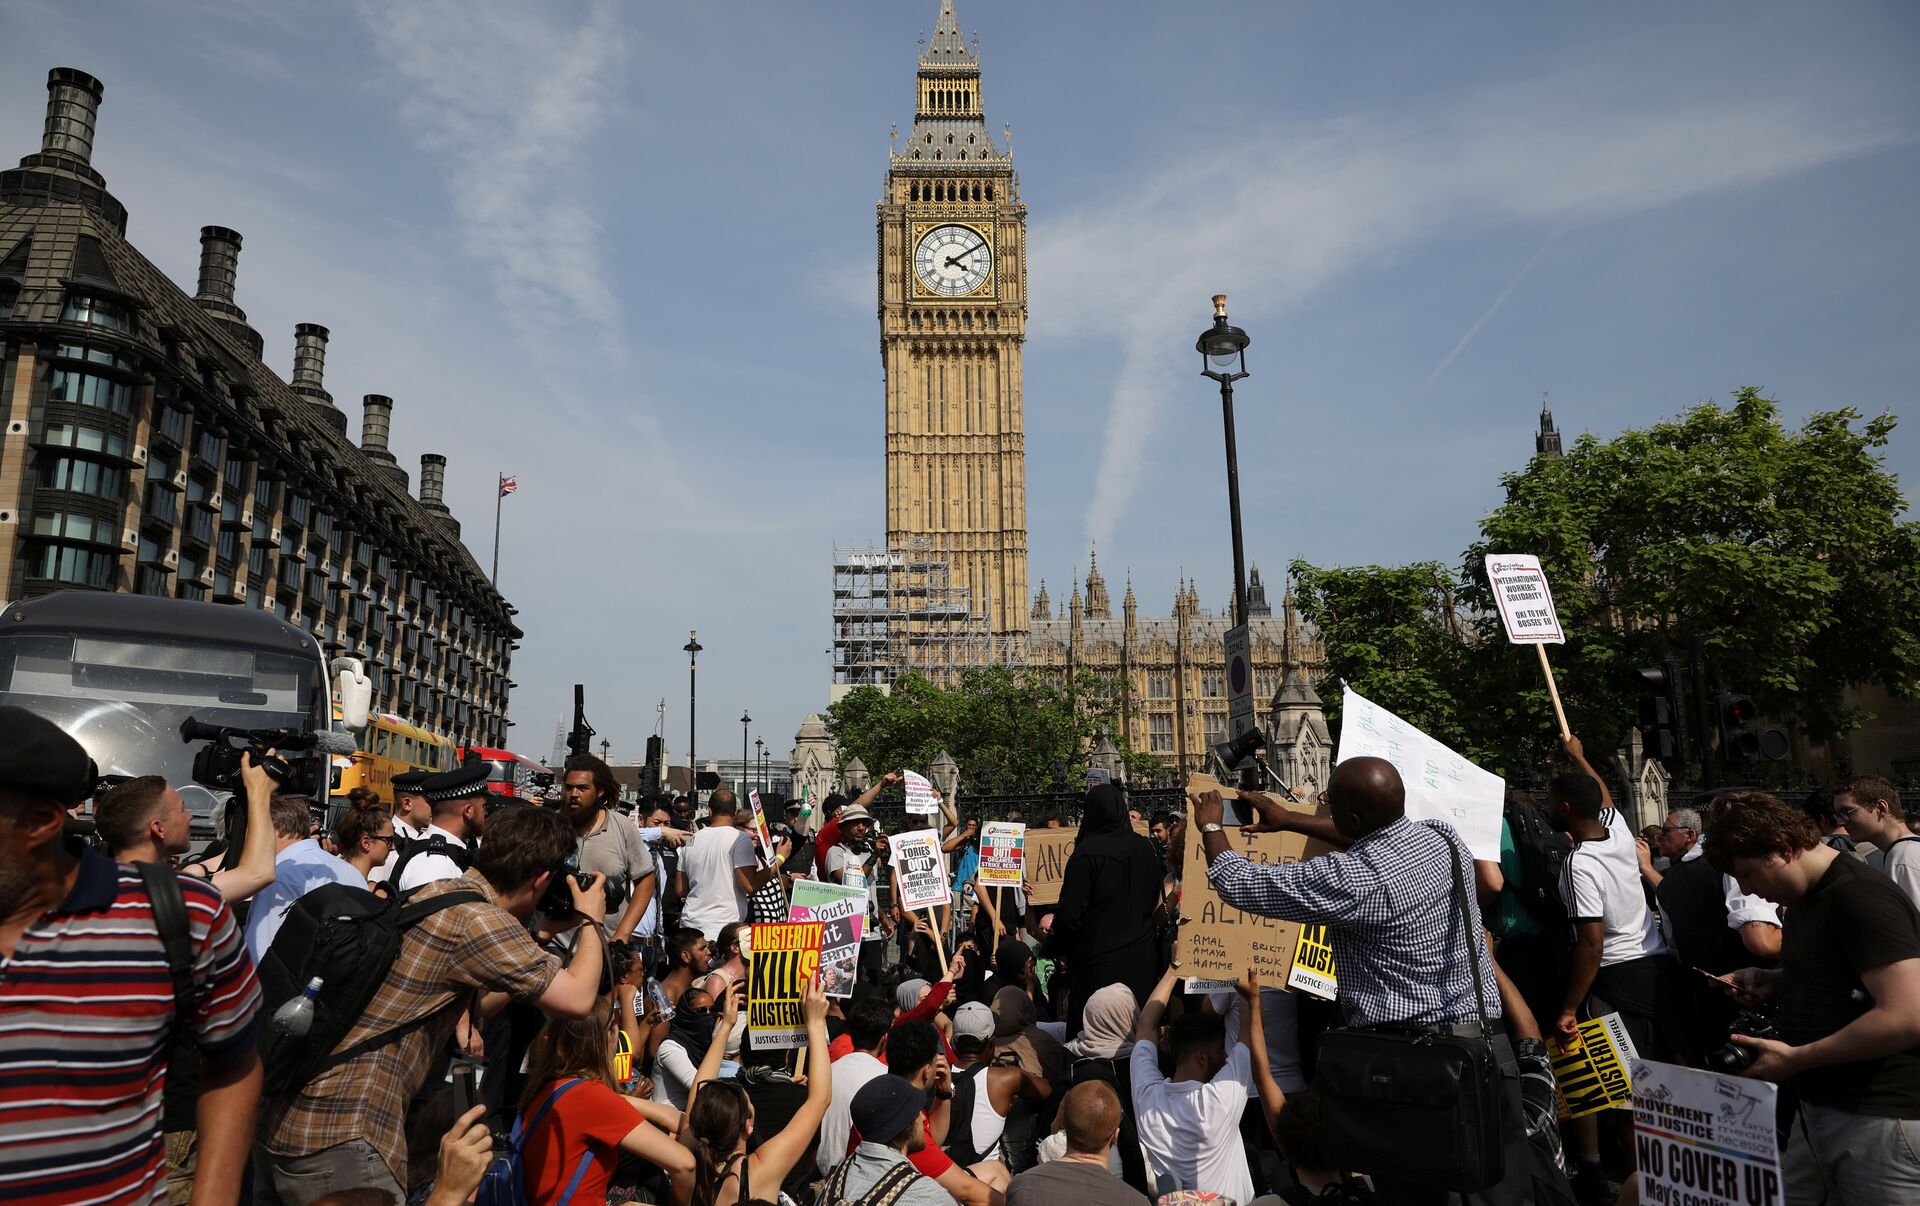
pixel 1213 827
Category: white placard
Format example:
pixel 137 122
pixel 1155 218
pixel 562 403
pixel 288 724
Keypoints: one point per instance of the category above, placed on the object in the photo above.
pixel 1441 785
pixel 1526 604
pixel 920 794
pixel 923 870
pixel 1704 1139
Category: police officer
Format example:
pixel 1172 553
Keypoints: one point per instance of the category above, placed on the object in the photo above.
pixel 459 801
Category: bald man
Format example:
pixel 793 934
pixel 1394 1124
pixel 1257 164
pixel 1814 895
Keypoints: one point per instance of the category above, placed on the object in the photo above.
pixel 1401 935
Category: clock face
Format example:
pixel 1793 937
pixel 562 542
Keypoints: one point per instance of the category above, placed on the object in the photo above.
pixel 953 261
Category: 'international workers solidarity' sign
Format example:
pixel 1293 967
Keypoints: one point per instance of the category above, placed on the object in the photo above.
pixel 1526 605
pixel 923 870
pixel 785 957
pixel 1002 851
pixel 1441 785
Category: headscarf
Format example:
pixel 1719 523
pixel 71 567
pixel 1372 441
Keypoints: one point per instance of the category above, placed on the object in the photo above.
pixel 693 1030
pixel 907 996
pixel 1016 1029
pixel 1013 1011
pixel 1106 1027
pixel 1106 812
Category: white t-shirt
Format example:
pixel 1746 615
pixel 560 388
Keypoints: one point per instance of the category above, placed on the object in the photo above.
pixel 1601 882
pixel 1901 862
pixel 426 868
pixel 1191 1131
pixel 855 867
pixel 714 900
pixel 850 1072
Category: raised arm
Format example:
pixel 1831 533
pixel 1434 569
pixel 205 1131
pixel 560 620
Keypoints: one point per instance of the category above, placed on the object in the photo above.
pixel 1255 1036
pixel 1571 746
pixel 868 796
pixel 778 1155
pixel 1146 1028
pixel 253 870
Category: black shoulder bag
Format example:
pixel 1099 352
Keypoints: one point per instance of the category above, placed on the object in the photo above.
pixel 1421 1107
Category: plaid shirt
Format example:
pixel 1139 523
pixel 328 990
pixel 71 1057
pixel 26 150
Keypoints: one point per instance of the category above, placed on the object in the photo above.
pixel 1391 918
pixel 441 962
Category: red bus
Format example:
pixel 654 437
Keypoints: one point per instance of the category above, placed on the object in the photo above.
pixel 509 774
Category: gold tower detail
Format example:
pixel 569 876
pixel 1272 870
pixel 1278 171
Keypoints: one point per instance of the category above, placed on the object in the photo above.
pixel 953 316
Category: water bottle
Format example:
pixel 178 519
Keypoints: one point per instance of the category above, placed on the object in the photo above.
pixel 295 1018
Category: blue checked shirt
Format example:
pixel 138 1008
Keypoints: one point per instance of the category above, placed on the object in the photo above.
pixel 1391 916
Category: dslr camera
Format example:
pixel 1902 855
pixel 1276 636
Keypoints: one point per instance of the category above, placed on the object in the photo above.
pixel 558 900
pixel 1732 1059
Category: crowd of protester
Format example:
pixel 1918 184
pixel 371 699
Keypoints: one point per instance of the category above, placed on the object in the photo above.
pixel 453 993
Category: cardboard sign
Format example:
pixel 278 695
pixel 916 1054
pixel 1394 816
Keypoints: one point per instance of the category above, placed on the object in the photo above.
pixel 920 794
pixel 1704 1139
pixel 1526 604
pixel 1046 852
pixel 1002 853
pixel 785 956
pixel 842 910
pixel 1441 785
pixel 1217 942
pixel 1592 1073
pixel 922 868
pixel 1313 971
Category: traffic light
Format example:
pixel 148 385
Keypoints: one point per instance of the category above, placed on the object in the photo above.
pixel 1663 724
pixel 1743 739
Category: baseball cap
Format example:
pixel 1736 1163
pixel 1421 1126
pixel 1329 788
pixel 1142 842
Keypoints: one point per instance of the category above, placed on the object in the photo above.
pixel 973 1021
pixel 885 1107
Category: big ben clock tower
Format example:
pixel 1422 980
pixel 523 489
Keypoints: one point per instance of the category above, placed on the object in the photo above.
pixel 953 316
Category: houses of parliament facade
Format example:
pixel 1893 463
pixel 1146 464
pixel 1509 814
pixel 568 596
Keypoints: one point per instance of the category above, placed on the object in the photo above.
pixel 950 591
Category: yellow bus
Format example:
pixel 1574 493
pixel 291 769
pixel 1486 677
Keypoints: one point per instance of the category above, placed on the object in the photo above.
pixel 390 746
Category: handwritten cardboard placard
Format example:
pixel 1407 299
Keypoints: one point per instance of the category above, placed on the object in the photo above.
pixel 1002 853
pixel 785 956
pixel 1046 852
pixel 1219 943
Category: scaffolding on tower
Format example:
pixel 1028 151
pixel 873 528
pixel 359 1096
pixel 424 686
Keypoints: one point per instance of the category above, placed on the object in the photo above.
pixel 897 610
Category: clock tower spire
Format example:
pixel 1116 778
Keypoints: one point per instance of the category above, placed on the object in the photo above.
pixel 953 315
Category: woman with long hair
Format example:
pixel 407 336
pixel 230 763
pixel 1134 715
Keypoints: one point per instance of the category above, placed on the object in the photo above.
pixel 726 1166
pixel 363 835
pixel 580 1123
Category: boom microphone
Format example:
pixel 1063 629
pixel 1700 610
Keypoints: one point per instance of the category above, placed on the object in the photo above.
pixel 334 743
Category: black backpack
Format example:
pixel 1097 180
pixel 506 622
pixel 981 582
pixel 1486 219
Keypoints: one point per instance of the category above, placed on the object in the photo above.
pixel 1543 852
pixel 350 939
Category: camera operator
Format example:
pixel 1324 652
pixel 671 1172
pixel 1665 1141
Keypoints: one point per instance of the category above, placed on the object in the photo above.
pixel 612 845
pixel 144 820
pixel 1846 999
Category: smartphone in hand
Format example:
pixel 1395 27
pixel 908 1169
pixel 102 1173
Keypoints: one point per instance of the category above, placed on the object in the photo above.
pixel 466 1088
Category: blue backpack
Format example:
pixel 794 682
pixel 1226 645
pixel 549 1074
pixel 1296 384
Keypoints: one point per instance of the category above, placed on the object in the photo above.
pixel 506 1182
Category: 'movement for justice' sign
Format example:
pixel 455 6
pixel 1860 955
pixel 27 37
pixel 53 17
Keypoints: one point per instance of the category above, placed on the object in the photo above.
pixel 785 957
pixel 1704 1139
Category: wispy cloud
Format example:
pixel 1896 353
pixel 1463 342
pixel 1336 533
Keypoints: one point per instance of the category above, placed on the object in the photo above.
pixel 1285 212
pixel 1499 301
pixel 510 95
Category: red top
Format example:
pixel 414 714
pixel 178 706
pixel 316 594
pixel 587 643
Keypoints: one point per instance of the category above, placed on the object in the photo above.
pixel 923 1012
pixel 589 1117
pixel 825 840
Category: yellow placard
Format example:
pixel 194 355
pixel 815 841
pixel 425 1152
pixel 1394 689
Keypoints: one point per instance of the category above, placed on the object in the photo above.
pixel 785 957
pixel 1312 971
pixel 1592 1073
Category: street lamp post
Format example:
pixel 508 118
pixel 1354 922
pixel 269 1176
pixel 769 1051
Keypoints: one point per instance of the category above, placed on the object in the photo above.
pixel 745 720
pixel 759 762
pixel 693 648
pixel 1223 356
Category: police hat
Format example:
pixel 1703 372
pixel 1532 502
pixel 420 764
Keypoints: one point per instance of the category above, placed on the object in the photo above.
pixel 410 783
pixel 456 784
pixel 39 758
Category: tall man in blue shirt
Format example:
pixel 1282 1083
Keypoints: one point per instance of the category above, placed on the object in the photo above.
pixel 299 866
pixel 1397 931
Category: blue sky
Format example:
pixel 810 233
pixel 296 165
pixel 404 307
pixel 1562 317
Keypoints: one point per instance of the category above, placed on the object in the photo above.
pixel 624 251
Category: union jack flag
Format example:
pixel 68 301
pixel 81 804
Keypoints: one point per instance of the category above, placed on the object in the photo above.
pixel 507 486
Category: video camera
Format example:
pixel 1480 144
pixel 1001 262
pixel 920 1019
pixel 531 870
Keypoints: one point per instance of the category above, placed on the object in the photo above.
pixel 218 763
pixel 558 900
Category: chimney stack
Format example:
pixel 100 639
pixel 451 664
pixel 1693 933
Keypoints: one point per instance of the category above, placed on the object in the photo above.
pixel 73 105
pixel 219 265
pixel 309 372
pixel 376 422
pixel 433 481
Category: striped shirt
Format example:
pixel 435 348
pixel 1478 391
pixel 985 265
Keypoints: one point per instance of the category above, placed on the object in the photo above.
pixel 1392 917
pixel 442 961
pixel 86 1015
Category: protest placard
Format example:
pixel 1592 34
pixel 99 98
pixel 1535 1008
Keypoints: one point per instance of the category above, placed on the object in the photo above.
pixel 1313 972
pixel 761 836
pixel 842 909
pixel 920 794
pixel 785 956
pixel 1002 853
pixel 1704 1139
pixel 1441 785
pixel 923 870
pixel 1218 943
pixel 1046 851
pixel 1526 604
pixel 1592 1073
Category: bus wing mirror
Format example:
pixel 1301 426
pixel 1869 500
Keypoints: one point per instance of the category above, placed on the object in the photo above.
pixel 354 690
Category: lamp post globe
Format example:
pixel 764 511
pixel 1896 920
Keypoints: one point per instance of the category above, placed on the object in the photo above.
pixel 1223 357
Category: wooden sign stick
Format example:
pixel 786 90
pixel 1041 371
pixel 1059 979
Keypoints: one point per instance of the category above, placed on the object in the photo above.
pixel 939 946
pixel 1553 689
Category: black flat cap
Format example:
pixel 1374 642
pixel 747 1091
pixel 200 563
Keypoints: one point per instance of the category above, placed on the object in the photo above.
pixel 409 782
pixel 39 758
pixel 456 784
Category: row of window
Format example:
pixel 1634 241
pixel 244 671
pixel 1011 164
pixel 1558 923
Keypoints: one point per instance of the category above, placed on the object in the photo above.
pixel 97 312
pixel 91 389
pixel 1213 684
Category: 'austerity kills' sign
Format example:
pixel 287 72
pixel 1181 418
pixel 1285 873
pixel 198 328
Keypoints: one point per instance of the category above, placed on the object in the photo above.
pixel 1526 605
pixel 785 957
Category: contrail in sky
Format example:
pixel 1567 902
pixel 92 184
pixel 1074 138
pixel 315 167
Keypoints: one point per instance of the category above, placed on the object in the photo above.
pixel 1494 308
